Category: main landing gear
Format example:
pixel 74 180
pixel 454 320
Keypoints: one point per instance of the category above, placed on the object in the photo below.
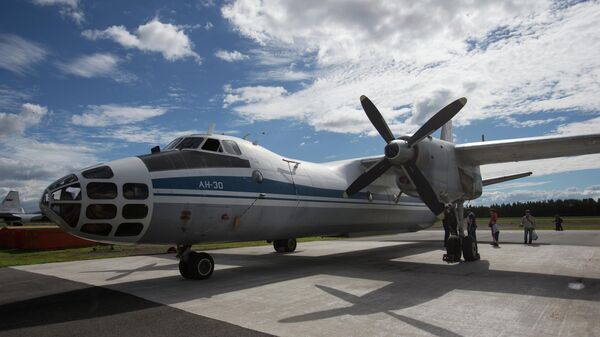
pixel 285 245
pixel 460 244
pixel 194 265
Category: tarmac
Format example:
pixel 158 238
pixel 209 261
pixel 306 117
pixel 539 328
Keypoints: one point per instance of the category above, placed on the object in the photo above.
pixel 395 285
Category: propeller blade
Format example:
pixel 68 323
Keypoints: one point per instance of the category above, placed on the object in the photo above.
pixel 376 119
pixel 424 188
pixel 368 177
pixel 437 121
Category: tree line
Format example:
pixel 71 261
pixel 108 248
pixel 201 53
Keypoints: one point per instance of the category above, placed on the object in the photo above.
pixel 569 207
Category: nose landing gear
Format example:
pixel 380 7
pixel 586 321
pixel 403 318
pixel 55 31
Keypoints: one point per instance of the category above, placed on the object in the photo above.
pixel 195 265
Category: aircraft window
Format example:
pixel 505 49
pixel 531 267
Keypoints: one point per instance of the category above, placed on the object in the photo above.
pixel 172 144
pixel 71 192
pixel 212 145
pixel 190 143
pixel 102 172
pixel 101 190
pixel 101 211
pixel 135 191
pixel 63 181
pixel 129 229
pixel 68 212
pixel 135 211
pixel 97 228
pixel 231 147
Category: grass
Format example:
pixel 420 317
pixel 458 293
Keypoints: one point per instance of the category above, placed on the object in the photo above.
pixel 569 223
pixel 21 257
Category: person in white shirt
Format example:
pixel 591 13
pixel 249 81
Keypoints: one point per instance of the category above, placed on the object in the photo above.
pixel 528 223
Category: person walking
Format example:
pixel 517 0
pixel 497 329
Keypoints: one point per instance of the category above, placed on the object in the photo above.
pixel 494 227
pixel 528 222
pixel 472 225
pixel 558 221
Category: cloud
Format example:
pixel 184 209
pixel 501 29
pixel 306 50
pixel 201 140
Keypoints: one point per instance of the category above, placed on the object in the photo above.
pixel 110 114
pixel 231 56
pixel 68 8
pixel 144 135
pixel 15 124
pixel 12 99
pixel 29 165
pixel 252 95
pixel 154 36
pixel 579 128
pixel 96 65
pixel 18 54
pixel 508 58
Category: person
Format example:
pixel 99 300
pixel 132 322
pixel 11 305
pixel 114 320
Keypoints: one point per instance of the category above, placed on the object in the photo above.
pixel 558 221
pixel 528 222
pixel 449 222
pixel 471 225
pixel 494 227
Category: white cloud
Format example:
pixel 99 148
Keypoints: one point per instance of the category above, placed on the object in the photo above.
pixel 15 124
pixel 508 58
pixel 208 26
pixel 145 135
pixel 154 36
pixel 68 8
pixel 29 166
pixel 579 128
pixel 110 114
pixel 231 56
pixel 252 95
pixel 18 54
pixel 96 65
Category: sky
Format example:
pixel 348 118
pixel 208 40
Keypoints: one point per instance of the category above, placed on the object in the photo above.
pixel 83 82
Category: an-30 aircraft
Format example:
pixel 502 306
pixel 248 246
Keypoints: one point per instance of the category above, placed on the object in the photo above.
pixel 215 188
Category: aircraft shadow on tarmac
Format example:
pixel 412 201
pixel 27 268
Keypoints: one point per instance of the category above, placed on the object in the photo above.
pixel 409 283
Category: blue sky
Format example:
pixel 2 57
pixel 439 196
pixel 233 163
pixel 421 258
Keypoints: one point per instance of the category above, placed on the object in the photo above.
pixel 84 82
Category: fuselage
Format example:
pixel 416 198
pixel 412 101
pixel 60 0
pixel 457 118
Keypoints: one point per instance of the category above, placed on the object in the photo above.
pixel 212 188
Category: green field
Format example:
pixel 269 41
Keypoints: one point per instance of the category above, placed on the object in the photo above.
pixel 569 223
pixel 17 257
pixel 20 257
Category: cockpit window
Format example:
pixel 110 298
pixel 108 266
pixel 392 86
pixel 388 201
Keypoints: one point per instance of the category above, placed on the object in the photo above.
pixel 173 143
pixel 231 147
pixel 212 145
pixel 189 143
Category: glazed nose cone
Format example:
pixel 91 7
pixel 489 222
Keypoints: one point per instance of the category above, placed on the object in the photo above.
pixel 108 202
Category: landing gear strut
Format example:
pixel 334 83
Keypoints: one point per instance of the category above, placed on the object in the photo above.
pixel 285 245
pixel 194 265
pixel 460 244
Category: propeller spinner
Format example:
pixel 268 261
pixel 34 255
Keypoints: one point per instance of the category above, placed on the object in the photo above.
pixel 400 151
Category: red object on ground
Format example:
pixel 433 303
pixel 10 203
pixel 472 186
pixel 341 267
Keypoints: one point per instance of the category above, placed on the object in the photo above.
pixel 40 238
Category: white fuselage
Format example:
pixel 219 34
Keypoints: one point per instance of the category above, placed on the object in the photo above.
pixel 197 196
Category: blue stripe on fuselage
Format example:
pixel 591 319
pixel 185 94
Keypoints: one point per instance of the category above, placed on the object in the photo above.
pixel 246 184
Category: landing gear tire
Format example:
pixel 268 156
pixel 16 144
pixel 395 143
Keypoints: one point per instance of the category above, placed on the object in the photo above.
pixel 453 249
pixel 196 266
pixel 469 249
pixel 285 245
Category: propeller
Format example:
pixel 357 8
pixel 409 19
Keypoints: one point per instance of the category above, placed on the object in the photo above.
pixel 401 150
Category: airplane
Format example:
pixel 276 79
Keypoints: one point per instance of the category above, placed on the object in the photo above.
pixel 13 214
pixel 218 188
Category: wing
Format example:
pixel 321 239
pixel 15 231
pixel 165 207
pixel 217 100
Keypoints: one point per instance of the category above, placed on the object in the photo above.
pixel 521 149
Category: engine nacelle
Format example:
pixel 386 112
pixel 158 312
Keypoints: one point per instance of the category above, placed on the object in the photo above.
pixel 450 179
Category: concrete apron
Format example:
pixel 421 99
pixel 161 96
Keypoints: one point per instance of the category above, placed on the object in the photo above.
pixel 381 286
